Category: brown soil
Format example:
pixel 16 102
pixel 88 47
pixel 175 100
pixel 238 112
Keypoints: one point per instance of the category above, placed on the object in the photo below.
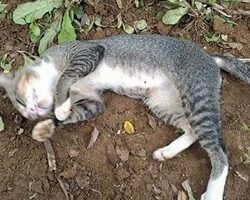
pixel 89 174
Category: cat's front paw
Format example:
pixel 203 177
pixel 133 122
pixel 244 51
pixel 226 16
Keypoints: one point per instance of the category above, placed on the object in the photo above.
pixel 43 130
pixel 63 111
pixel 203 196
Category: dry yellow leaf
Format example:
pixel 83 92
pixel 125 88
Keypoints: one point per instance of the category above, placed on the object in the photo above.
pixel 129 127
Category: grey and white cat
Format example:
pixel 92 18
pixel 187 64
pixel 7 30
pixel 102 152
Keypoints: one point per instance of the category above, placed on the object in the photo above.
pixel 178 81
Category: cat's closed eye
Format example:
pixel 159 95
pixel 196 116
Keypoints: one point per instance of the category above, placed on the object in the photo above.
pixel 20 102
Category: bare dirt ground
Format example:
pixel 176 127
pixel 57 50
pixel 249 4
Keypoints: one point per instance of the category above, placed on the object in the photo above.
pixel 88 173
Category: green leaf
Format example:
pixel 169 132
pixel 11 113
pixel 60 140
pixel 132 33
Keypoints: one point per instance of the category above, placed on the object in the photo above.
pixel 35 29
pixel 2 7
pixel 98 21
pixel 128 29
pixel 78 10
pixel 140 25
pixel 5 64
pixel 213 38
pixel 198 5
pixel 173 16
pixel 49 35
pixel 178 3
pixel 88 23
pixel 245 127
pixel 30 11
pixel 1 124
pixel 67 32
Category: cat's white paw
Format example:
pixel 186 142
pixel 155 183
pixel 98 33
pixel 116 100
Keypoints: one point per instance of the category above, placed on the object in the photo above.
pixel 43 130
pixel 203 196
pixel 164 153
pixel 63 111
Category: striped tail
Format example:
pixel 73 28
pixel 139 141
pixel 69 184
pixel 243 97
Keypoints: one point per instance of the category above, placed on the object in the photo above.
pixel 233 66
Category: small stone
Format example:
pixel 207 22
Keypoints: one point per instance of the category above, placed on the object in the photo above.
pixel 20 131
pixel 82 182
pixel 156 189
pixel 12 152
pixel 73 153
pixel 123 174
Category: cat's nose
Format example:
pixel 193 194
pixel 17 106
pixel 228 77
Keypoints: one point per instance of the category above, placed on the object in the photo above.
pixel 34 109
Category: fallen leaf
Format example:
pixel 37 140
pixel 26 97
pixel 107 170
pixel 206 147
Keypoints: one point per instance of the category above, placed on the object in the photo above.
pixel 111 154
pixel 50 155
pixel 181 195
pixel 93 138
pixel 235 45
pixel 129 127
pixel 151 121
pixel 119 4
pixel 122 153
pixel 1 124
pixel 187 188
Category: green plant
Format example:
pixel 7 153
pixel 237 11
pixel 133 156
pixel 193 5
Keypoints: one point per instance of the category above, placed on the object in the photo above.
pixel 47 19
pixel 3 10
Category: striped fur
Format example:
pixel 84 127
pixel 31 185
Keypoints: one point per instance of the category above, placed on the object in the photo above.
pixel 178 81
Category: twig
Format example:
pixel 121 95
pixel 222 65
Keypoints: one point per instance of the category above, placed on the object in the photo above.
pixel 50 156
pixel 239 12
pixel 220 9
pixel 64 189
pixel 226 11
pixel 244 59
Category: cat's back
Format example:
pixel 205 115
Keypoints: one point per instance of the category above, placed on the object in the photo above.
pixel 183 59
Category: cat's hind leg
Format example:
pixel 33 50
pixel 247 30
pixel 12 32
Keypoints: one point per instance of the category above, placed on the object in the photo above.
pixel 166 104
pixel 177 146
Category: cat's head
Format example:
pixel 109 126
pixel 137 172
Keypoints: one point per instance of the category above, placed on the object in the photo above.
pixel 28 93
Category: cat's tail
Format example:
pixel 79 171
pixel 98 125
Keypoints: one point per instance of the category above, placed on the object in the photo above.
pixel 233 66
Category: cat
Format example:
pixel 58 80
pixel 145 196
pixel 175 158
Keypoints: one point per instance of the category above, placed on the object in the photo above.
pixel 177 80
